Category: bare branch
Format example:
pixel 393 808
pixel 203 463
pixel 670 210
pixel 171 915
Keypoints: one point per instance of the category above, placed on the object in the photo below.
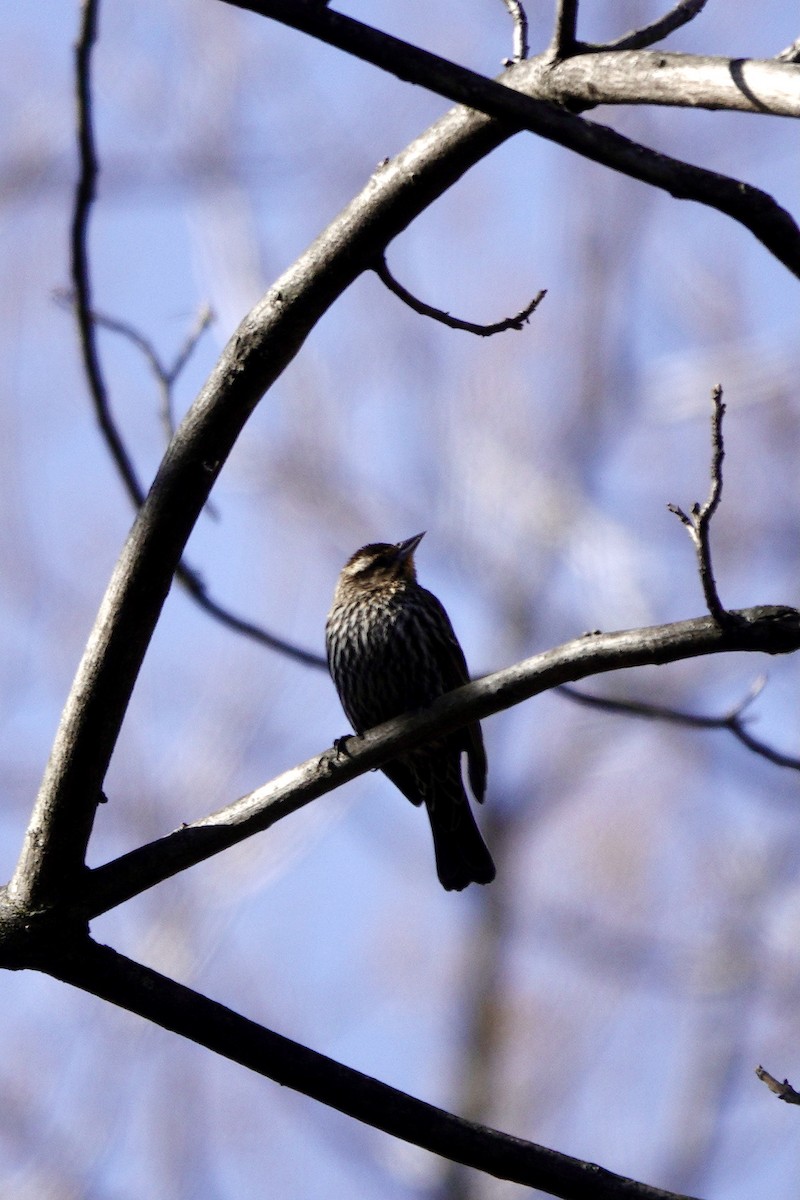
pixel 85 191
pixel 265 342
pixel 754 209
pixel 784 1091
pixel 171 374
pixel 698 523
pixel 791 54
pixel 186 575
pixel 732 721
pixel 768 630
pixel 193 584
pixel 564 41
pixel 683 12
pixel 519 17
pixel 166 377
pixel 103 972
pixel 437 314
pixel 663 77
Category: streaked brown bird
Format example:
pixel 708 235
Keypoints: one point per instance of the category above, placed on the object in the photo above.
pixel 391 650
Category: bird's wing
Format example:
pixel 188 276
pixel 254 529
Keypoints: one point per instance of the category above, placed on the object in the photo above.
pixel 453 670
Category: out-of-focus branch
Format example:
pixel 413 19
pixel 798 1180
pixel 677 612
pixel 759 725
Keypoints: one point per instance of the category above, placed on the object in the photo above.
pixel 166 376
pixel 698 522
pixel 187 576
pixel 88 321
pixel 193 584
pixel 683 12
pixel 85 192
pixel 733 721
pixel 437 314
pixel 768 630
pixel 103 972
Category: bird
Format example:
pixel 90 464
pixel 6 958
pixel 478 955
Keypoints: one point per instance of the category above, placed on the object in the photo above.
pixel 391 649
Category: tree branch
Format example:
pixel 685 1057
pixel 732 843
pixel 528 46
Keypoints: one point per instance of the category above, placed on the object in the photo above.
pixel 683 12
pixel 437 314
pixel 265 342
pixel 88 321
pixel 520 19
pixel 784 1091
pixel 138 989
pixel 768 630
pixel 791 54
pixel 732 721
pixel 564 42
pixel 754 209
pixel 85 192
pixel 698 522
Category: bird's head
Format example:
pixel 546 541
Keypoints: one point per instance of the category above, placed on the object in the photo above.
pixel 382 563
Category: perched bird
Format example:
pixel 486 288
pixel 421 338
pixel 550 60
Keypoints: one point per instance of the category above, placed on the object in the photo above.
pixel 391 650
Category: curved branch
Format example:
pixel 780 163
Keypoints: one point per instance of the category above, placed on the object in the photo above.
pixel 165 376
pixel 437 314
pixel 751 207
pixel 732 721
pixel 767 630
pixel 268 338
pixel 683 12
pixel 138 989
pixel 85 192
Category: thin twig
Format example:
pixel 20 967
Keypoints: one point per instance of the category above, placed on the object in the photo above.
pixel 519 17
pixel 791 54
pixel 166 376
pixel 171 374
pixel 683 12
pixel 437 314
pixel 85 192
pixel 732 721
pixel 784 1091
pixel 698 522
pixel 88 322
pixel 192 583
pixel 565 40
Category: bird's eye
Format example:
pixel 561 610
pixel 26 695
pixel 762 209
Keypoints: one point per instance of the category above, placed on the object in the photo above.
pixel 374 566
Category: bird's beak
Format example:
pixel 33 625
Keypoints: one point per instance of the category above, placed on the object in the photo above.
pixel 406 549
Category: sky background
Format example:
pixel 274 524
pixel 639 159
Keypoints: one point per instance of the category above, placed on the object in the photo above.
pixel 611 994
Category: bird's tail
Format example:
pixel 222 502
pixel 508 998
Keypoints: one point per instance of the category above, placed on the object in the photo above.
pixel 462 856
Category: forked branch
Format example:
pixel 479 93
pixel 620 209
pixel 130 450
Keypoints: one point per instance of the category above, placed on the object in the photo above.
pixel 698 521
pixel 754 209
pixel 734 721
